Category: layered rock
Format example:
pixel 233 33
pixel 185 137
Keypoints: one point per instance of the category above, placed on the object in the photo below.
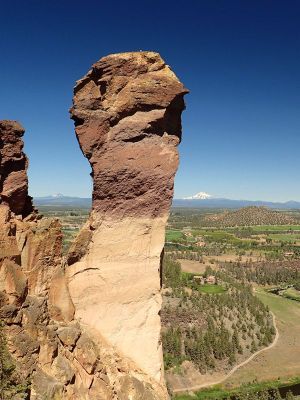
pixel 13 169
pixel 87 326
pixel 127 113
pixel 55 353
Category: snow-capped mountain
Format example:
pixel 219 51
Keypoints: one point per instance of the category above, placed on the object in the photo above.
pixel 199 196
pixel 57 195
pixel 205 200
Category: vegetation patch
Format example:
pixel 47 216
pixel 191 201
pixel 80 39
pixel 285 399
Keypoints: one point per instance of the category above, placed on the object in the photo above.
pixel 212 289
pixel 172 235
pixel 11 384
pixel 269 390
pixel 210 325
pixel 249 216
pixel 292 293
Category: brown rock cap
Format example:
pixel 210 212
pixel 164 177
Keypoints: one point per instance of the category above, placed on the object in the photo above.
pixel 13 169
pixel 127 112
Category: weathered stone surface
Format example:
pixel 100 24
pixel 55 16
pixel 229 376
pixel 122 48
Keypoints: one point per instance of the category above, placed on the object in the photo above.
pixel 68 336
pixel 127 113
pixel 13 169
pixel 46 387
pixel 12 281
pixel 90 330
pixel 132 388
pixel 86 353
pixel 83 378
pixel 79 248
pixel 8 313
pixel 62 370
pixel 47 354
pixel 99 389
pixel 40 243
pixel 5 214
pixel 61 307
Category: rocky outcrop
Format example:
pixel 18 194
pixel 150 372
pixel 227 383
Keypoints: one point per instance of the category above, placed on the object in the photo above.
pixel 87 326
pixel 13 169
pixel 59 356
pixel 127 113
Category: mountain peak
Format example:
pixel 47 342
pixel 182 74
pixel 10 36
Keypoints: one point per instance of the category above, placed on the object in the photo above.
pixel 57 195
pixel 199 196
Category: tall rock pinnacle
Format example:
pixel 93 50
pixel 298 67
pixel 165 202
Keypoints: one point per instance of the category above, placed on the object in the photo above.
pixel 87 326
pixel 13 169
pixel 127 112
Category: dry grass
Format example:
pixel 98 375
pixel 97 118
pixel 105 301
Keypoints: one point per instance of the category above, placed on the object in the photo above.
pixel 283 359
pixel 195 267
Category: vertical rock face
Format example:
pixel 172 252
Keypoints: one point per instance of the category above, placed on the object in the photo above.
pixel 87 326
pixel 13 169
pixel 127 113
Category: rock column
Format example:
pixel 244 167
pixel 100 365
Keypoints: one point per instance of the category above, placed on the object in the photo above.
pixel 127 112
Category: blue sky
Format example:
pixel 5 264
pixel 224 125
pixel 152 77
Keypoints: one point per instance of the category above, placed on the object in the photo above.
pixel 240 60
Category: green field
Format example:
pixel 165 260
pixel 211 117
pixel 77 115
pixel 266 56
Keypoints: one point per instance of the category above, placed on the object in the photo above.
pixel 211 289
pixel 219 393
pixel 262 228
pixel 288 237
pixel 172 235
pixel 292 294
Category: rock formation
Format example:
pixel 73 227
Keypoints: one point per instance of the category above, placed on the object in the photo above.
pixel 127 113
pixel 13 169
pixel 87 326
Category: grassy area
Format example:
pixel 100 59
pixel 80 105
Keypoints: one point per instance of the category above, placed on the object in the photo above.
pixel 218 393
pixel 275 368
pixel 292 294
pixel 288 237
pixel 211 289
pixel 262 228
pixel 282 361
pixel 284 310
pixel 172 235
pixel 221 237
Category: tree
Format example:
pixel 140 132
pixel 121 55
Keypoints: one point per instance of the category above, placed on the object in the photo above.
pixel 275 394
pixel 289 396
pixel 297 285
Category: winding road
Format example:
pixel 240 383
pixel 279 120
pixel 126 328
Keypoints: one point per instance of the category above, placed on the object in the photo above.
pixel 204 385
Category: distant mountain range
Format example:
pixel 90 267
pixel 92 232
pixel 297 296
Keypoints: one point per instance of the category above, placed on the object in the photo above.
pixel 199 200
pixel 59 200
pixel 199 196
pixel 205 200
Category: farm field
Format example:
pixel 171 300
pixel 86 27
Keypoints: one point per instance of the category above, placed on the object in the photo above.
pixel 260 254
pixel 211 289
pixel 280 228
pixel 194 267
pixel 174 235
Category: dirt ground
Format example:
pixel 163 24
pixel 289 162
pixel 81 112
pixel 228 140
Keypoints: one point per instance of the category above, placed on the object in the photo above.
pixel 197 267
pixel 231 257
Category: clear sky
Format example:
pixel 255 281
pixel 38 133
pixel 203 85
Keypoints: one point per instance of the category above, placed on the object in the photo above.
pixel 240 60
